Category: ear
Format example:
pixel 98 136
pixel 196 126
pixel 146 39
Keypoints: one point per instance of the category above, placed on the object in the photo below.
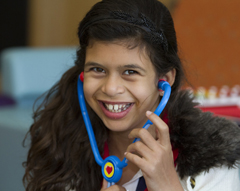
pixel 170 76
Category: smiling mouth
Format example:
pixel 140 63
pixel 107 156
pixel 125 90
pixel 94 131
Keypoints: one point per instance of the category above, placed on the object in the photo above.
pixel 116 108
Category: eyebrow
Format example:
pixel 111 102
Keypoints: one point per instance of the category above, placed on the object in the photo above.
pixel 129 66
pixel 133 66
pixel 89 64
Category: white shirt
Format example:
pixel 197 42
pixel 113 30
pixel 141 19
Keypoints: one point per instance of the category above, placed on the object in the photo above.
pixel 217 179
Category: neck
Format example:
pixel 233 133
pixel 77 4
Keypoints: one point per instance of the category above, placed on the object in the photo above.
pixel 118 143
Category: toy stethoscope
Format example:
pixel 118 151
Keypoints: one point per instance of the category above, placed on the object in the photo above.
pixel 112 166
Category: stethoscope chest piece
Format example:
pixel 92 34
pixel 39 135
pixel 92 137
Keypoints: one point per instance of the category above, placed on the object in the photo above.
pixel 112 168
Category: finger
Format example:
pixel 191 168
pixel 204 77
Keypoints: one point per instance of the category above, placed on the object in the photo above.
pixel 135 159
pixel 162 128
pixel 104 184
pixel 140 149
pixel 145 137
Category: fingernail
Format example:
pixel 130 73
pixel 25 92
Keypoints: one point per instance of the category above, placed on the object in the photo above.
pixel 148 113
pixel 125 153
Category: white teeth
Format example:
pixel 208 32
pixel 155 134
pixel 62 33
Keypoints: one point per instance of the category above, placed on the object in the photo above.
pixel 110 107
pixel 116 107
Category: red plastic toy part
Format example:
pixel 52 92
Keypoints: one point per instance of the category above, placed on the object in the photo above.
pixel 82 76
pixel 160 81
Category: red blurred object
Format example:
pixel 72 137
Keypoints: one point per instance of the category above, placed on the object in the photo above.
pixel 231 111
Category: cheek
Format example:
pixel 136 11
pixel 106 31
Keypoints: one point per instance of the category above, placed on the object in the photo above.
pixel 89 90
pixel 145 93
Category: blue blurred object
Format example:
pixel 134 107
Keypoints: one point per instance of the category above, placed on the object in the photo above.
pixel 26 74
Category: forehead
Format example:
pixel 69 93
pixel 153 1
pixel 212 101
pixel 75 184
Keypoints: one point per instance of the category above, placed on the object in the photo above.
pixel 126 50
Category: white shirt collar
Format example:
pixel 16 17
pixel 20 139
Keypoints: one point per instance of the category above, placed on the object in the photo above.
pixel 132 184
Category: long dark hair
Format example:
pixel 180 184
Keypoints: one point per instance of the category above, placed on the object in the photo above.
pixel 60 155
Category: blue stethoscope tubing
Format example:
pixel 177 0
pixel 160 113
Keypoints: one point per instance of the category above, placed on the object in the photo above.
pixel 162 85
pixel 88 124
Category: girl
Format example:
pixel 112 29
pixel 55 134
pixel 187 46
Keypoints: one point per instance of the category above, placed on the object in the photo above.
pixel 126 46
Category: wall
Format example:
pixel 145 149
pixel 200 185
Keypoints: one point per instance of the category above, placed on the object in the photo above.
pixel 54 22
pixel 208 33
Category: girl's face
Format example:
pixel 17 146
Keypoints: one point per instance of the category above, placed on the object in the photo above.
pixel 120 85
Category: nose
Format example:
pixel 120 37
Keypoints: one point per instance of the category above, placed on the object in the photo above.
pixel 112 87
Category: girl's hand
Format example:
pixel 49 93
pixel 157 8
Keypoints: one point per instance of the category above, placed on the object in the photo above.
pixel 111 188
pixel 154 157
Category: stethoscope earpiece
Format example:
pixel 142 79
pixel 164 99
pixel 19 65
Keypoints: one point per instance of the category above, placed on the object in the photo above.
pixel 82 76
pixel 161 92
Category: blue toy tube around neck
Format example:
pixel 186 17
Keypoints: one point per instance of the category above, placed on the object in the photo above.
pixel 112 166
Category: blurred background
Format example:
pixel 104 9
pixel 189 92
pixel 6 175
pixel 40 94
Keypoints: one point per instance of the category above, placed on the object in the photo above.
pixel 38 41
pixel 208 32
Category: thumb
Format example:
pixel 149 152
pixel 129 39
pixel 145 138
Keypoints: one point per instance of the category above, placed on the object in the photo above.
pixel 104 184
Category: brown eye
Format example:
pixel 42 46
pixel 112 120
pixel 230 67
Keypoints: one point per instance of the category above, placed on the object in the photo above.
pixel 130 72
pixel 96 69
